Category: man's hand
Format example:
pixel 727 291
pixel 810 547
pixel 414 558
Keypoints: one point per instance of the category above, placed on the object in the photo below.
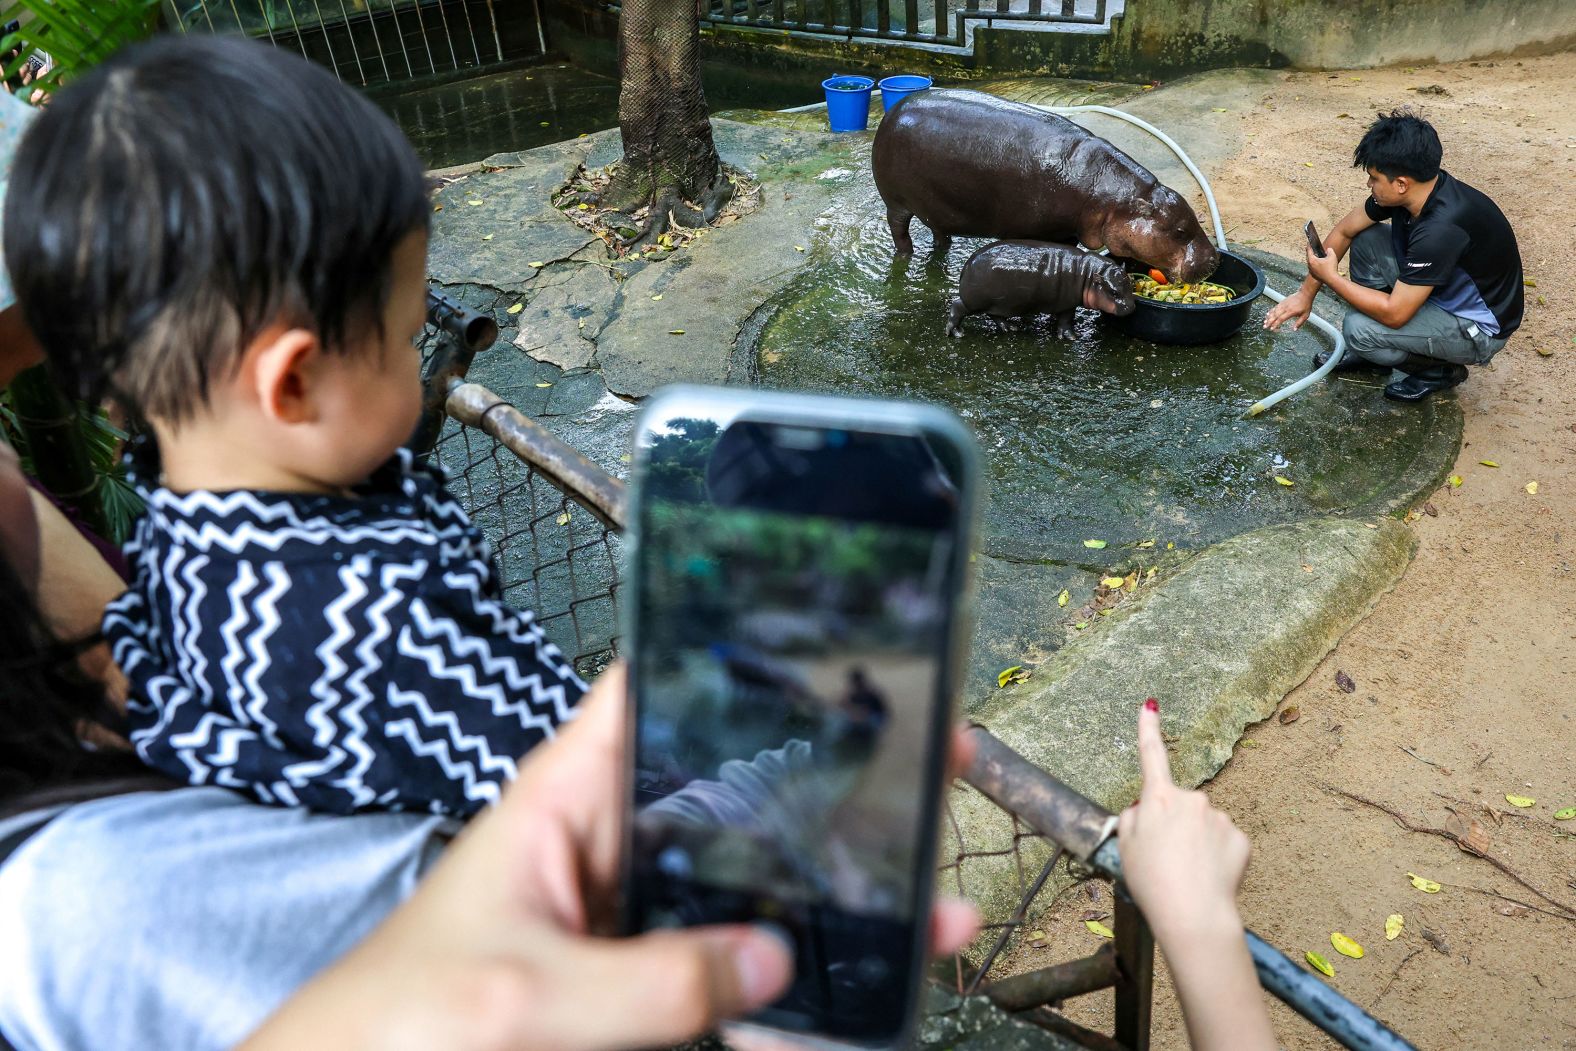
pixel 1323 268
pixel 1294 308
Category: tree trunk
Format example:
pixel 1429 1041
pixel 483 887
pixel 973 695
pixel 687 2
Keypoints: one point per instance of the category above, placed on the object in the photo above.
pixel 670 162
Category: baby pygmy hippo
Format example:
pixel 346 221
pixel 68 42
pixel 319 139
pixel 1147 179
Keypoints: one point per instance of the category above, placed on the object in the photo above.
pixel 1010 279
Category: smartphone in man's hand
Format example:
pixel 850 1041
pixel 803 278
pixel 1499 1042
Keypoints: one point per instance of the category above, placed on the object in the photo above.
pixel 795 614
pixel 1314 243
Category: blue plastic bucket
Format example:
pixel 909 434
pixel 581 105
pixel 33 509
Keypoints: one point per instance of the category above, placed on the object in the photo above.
pixel 848 102
pixel 895 89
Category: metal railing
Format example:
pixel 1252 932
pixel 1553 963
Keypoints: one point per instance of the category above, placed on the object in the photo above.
pixel 371 41
pixel 554 518
pixel 918 21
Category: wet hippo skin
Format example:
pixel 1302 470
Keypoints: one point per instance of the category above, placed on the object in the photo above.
pixel 968 164
pixel 1013 279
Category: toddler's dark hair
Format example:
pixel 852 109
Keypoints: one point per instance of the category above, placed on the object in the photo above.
pixel 178 199
pixel 1400 143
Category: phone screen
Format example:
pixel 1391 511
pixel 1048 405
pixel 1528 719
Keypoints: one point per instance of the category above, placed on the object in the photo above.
pixel 797 586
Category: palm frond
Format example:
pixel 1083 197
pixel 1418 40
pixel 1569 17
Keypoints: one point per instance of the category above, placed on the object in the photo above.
pixel 76 34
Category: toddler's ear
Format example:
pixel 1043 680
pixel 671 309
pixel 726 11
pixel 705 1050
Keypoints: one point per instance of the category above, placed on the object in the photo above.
pixel 280 365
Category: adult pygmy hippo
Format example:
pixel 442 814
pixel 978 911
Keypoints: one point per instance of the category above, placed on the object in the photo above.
pixel 1009 279
pixel 974 165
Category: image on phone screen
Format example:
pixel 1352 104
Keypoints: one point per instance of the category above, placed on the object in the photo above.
pixel 796 588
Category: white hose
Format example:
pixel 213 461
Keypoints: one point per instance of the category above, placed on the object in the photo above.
pixel 1220 241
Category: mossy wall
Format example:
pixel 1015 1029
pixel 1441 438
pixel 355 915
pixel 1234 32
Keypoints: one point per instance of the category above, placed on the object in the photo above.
pixel 1152 40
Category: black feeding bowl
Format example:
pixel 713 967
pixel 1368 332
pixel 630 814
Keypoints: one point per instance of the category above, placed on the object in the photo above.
pixel 1189 324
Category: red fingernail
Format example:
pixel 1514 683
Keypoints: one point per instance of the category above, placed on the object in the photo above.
pixel 1152 705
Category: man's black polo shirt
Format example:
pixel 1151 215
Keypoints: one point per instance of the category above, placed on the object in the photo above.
pixel 1462 247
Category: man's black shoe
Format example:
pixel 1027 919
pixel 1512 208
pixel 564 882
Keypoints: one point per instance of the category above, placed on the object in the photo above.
pixel 1351 361
pixel 1416 386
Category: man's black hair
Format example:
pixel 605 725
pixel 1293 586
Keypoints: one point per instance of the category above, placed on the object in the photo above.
pixel 1400 143
pixel 178 199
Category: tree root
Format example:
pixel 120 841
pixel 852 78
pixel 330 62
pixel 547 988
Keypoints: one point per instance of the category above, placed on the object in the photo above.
pixel 1567 911
pixel 1393 976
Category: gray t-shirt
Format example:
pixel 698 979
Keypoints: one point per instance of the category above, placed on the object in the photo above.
pixel 183 919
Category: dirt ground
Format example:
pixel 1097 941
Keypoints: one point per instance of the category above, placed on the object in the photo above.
pixel 1470 663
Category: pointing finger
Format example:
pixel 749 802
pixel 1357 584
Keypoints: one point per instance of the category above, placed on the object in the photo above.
pixel 1152 758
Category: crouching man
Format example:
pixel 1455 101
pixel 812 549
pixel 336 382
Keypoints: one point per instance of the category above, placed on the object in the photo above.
pixel 1439 290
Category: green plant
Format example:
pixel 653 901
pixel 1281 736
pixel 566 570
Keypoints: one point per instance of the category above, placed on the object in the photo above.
pixel 76 34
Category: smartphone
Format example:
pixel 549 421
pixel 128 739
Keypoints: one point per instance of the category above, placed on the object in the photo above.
pixel 795 604
pixel 1313 239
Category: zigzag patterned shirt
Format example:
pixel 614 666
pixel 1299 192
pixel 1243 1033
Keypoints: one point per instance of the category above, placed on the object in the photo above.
pixel 336 653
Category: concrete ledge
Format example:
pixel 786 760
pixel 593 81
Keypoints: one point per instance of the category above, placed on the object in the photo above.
pixel 1219 644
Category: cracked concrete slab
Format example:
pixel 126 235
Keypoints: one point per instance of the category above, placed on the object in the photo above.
pixel 565 313
pixel 1219 644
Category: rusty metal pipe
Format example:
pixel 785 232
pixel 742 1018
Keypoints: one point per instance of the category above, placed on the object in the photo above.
pixel 1050 807
pixel 566 467
pixel 1052 985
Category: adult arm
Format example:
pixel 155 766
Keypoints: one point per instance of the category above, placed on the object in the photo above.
pixel 501 946
pixel 1297 306
pixel 74 585
pixel 1183 862
pixel 1393 309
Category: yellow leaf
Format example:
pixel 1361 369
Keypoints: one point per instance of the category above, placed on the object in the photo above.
pixel 626 458
pixel 1455 481
pixel 1096 544
pixel 1532 488
pixel 1522 801
pixel 1565 813
pixel 437 207
pixel 544 384
pixel 515 309
pixel 1488 463
pixel 544 123
pixel 1320 964
pixel 584 207
pixel 1099 928
pixel 1081 625
pixel 537 266
pixel 1392 926
pixel 1146 544
pixel 1284 481
pixel 798 248
pixel 1170 546
pixel 1063 598
pixel 1346 946
pixel 1427 886
pixel 1112 582
pixel 562 519
pixel 1307 164
pixel 1006 675
pixel 475 202
pixel 675 332
pixel 1545 352
pixel 1150 575
pixel 656 297
pixel 487 237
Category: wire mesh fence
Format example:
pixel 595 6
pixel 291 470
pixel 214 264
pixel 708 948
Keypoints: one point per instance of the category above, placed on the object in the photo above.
pixel 554 556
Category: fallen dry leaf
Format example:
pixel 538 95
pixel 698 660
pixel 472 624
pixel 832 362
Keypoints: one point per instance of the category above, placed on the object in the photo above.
pixel 1344 681
pixel 1284 481
pixel 1093 914
pixel 1319 964
pixel 1565 813
pixel 1430 510
pixel 1427 886
pixel 1436 941
pixel 1454 481
pixel 1521 801
pixel 1532 488
pixel 1488 463
pixel 1063 598
pixel 1392 926
pixel 1099 928
pixel 1346 946
pixel 562 519
pixel 1095 544
pixel 1513 910
pixel 1290 714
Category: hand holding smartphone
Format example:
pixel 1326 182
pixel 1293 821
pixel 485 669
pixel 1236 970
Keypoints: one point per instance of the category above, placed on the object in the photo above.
pixel 795 606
